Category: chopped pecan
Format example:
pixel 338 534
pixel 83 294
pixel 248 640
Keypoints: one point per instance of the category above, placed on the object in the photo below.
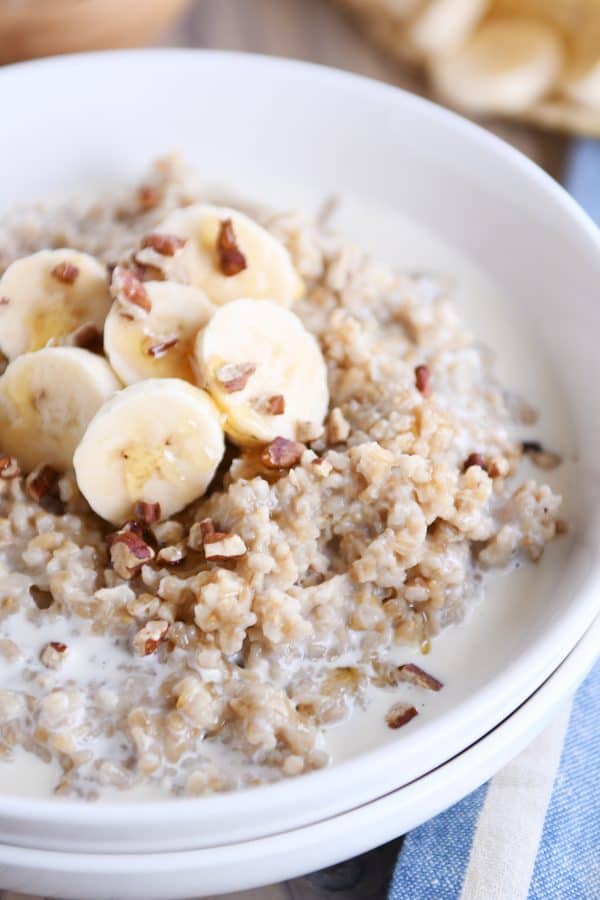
pixel 41 482
pixel 276 405
pixel 400 714
pixel 282 454
pixel 87 337
pixel 147 512
pixel 543 459
pixel 42 599
pixel 531 447
pixel 234 376
pixel 223 545
pixel 65 272
pixel 9 467
pixel 128 553
pixel 125 282
pixel 231 259
pixel 157 351
pixel 475 459
pixel 4 301
pixel 199 532
pixel 423 380
pixel 165 244
pixel 415 675
pixel 53 654
pixel 132 525
pixel 207 527
pixel 147 639
pixel 149 196
pixel 270 406
pixel 498 467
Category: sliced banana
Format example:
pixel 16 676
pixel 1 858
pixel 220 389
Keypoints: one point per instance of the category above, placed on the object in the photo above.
pixel 49 295
pixel 159 343
pixel 264 370
pixel 444 24
pixel 47 399
pixel 582 81
pixel 158 441
pixel 505 67
pixel 229 256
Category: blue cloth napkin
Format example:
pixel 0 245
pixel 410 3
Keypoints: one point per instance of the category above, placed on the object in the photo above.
pixel 533 831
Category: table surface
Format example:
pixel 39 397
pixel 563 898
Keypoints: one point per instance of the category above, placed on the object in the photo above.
pixel 316 30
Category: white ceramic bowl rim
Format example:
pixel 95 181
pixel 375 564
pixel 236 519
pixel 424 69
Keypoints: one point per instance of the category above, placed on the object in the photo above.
pixel 564 630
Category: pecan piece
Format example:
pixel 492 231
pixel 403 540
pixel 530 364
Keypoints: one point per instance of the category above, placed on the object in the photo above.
pixel 125 282
pixel 164 244
pixel 41 482
pixel 276 405
pixel 207 527
pixel 475 459
pixel 223 545
pixel 65 272
pixel 149 196
pixel 87 337
pixel 543 459
pixel 423 380
pixel 147 639
pixel 53 654
pixel 270 406
pixel 132 525
pixel 400 714
pixel 282 454
pixel 234 376
pixel 199 532
pixel 416 675
pixel 128 553
pixel 157 351
pixel 147 512
pixel 4 301
pixel 9 467
pixel 231 259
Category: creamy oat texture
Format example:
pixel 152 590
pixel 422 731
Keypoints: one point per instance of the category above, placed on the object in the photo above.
pixel 208 675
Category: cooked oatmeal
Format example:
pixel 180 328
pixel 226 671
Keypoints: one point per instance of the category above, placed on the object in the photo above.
pixel 209 649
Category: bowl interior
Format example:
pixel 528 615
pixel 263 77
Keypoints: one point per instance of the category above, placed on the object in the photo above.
pixel 292 134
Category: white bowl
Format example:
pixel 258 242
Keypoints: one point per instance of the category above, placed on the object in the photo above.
pixel 201 873
pixel 301 131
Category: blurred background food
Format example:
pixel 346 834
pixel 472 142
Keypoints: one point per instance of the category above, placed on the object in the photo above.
pixel 533 59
